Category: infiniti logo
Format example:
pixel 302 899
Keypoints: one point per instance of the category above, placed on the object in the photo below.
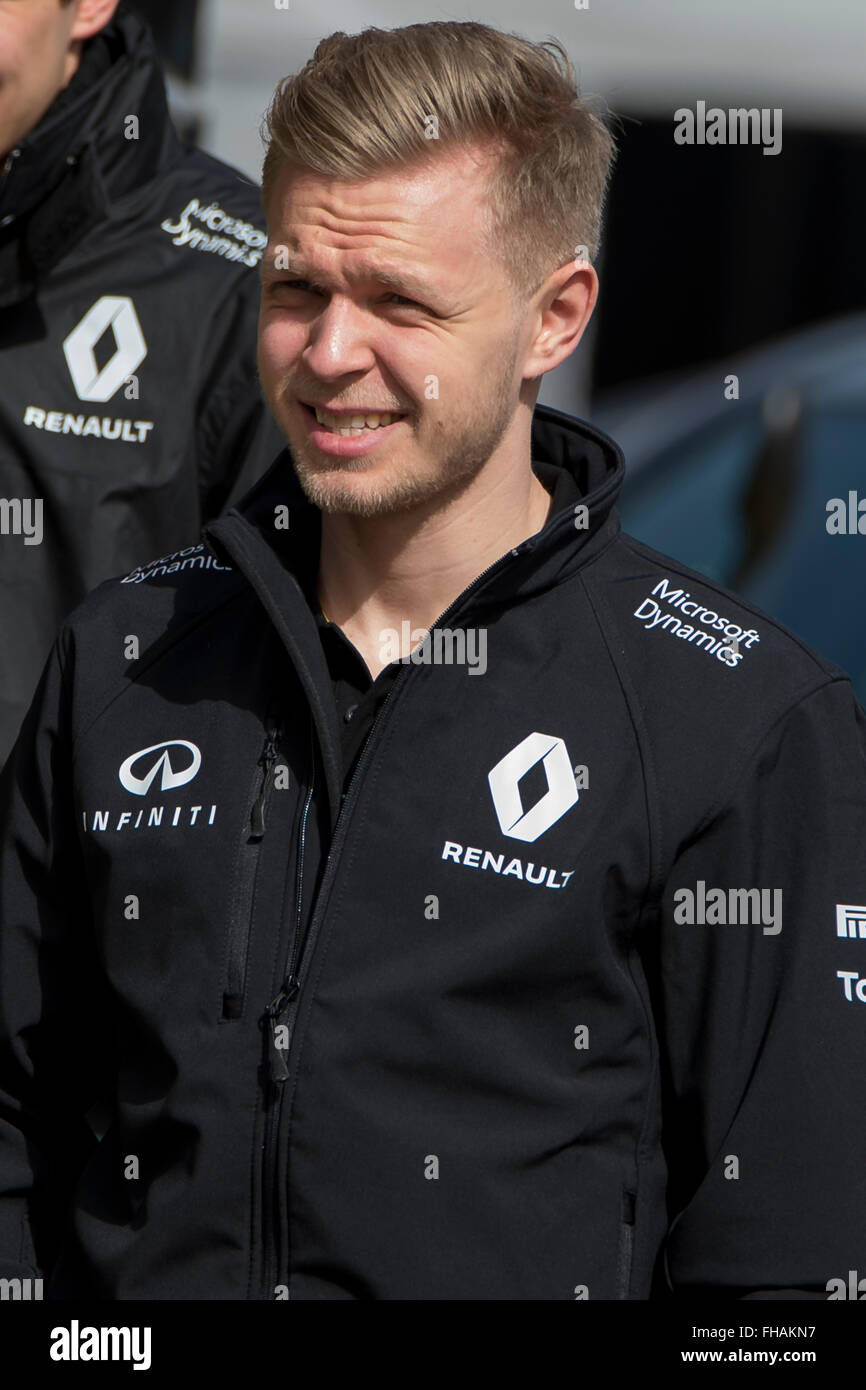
pixel 140 786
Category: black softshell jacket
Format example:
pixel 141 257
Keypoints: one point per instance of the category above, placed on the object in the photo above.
pixel 130 409
pixel 456 1034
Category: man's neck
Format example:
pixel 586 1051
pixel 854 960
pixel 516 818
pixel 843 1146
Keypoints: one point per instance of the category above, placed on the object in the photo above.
pixel 377 573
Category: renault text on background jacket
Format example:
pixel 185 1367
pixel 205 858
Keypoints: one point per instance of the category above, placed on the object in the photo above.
pixel 563 999
pixel 127 265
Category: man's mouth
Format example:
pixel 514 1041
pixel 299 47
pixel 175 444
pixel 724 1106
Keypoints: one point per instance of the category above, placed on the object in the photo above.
pixel 358 422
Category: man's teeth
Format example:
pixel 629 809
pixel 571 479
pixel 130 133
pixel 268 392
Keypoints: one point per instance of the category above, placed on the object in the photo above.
pixel 354 424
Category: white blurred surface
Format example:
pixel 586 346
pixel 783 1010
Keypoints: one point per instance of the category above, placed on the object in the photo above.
pixel 644 57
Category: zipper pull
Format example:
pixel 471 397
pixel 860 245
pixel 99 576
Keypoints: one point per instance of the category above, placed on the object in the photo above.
pixel 7 167
pixel 257 818
pixel 280 1032
pixel 257 815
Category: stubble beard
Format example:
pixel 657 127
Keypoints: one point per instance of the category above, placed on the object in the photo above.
pixel 460 453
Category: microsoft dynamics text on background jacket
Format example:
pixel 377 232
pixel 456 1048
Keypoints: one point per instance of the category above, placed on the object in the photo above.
pixel 563 998
pixel 128 301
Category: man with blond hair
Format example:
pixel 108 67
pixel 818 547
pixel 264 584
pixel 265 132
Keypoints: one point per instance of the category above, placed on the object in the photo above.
pixel 443 896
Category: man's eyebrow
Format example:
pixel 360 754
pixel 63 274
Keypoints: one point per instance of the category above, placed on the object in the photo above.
pixel 399 281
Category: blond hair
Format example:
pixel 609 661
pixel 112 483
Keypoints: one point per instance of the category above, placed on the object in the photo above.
pixel 366 103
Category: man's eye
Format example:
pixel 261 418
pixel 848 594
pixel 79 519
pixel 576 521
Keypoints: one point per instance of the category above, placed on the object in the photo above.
pixel 307 287
pixel 401 299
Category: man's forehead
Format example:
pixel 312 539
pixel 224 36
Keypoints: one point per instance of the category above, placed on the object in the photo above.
pixel 431 192
pixel 413 276
pixel 400 226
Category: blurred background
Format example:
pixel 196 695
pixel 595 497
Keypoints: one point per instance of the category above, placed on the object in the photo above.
pixel 727 352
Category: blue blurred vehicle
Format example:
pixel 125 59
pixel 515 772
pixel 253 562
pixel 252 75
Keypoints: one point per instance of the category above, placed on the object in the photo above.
pixel 739 489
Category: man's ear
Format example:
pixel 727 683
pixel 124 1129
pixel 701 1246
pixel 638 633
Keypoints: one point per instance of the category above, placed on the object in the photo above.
pixel 92 16
pixel 563 308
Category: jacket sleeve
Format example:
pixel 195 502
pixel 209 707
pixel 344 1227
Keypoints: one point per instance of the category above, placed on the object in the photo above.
pixel 50 1015
pixel 762 1023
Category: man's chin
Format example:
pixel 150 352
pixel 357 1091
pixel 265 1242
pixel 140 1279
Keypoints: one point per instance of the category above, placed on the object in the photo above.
pixel 386 481
pixel 351 487
pixel 338 485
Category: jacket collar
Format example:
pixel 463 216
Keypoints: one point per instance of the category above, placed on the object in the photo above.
pixel 580 465
pixel 278 561
pixel 63 178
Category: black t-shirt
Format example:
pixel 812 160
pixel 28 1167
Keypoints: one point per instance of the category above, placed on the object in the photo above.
pixel 358 697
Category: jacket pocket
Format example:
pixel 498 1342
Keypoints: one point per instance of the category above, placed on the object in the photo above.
pixel 626 1243
pixel 244 888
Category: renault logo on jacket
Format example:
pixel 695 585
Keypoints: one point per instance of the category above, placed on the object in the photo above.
pixel 140 786
pixel 113 313
pixel 504 781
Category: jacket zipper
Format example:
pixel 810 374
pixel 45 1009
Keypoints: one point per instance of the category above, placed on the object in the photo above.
pixel 241 924
pixel 278 1022
pixel 6 173
pixel 626 1242
pixel 281 1012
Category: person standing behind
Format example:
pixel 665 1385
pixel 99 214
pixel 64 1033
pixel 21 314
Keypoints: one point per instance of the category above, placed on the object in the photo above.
pixel 130 410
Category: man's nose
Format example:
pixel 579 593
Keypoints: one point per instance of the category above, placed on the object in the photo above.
pixel 340 341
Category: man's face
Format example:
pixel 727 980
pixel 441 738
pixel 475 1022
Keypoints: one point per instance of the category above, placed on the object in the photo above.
pixel 389 304
pixel 35 62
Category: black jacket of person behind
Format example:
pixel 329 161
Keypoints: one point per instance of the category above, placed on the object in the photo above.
pixel 130 411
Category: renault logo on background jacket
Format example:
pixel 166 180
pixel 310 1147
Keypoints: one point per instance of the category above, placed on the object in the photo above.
pixel 449 1037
